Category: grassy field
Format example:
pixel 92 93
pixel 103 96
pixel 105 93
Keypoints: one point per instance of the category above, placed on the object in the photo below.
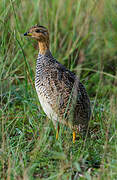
pixel 83 37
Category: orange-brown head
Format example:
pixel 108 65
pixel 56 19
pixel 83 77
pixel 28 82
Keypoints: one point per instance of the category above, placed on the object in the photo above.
pixel 41 34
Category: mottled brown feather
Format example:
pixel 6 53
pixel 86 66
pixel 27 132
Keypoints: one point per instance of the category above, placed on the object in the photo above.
pixel 62 96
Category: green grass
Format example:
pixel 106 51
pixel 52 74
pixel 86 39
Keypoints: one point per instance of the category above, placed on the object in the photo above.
pixel 83 37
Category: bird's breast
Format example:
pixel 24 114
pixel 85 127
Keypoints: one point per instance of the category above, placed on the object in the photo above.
pixel 47 105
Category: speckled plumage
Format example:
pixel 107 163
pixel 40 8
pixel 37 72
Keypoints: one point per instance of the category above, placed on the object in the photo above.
pixel 62 96
pixel 63 91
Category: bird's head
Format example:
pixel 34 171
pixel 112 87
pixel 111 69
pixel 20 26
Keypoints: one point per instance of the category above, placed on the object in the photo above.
pixel 40 33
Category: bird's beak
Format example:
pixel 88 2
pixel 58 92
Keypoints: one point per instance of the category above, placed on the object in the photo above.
pixel 27 34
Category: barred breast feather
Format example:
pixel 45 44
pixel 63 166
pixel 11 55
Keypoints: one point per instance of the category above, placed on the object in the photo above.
pixel 61 94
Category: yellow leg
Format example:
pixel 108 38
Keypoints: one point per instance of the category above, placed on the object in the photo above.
pixel 57 132
pixel 74 136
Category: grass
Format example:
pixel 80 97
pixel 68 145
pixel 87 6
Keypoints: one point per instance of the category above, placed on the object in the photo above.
pixel 83 38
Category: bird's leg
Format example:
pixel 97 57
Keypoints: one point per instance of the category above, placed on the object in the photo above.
pixel 74 133
pixel 57 132
pixel 74 136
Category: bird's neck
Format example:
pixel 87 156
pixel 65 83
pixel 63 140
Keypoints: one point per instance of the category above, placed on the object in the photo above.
pixel 43 47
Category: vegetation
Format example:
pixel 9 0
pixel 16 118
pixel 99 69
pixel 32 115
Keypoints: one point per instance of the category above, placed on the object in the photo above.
pixel 83 37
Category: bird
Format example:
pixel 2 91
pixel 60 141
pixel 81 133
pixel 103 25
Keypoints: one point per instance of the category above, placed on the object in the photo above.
pixel 62 96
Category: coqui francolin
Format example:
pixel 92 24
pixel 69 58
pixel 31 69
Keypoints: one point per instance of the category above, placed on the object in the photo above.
pixel 62 96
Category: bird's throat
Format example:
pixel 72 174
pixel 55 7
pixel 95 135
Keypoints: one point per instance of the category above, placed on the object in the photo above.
pixel 43 47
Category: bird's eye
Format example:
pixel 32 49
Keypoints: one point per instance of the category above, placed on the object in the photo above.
pixel 37 30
